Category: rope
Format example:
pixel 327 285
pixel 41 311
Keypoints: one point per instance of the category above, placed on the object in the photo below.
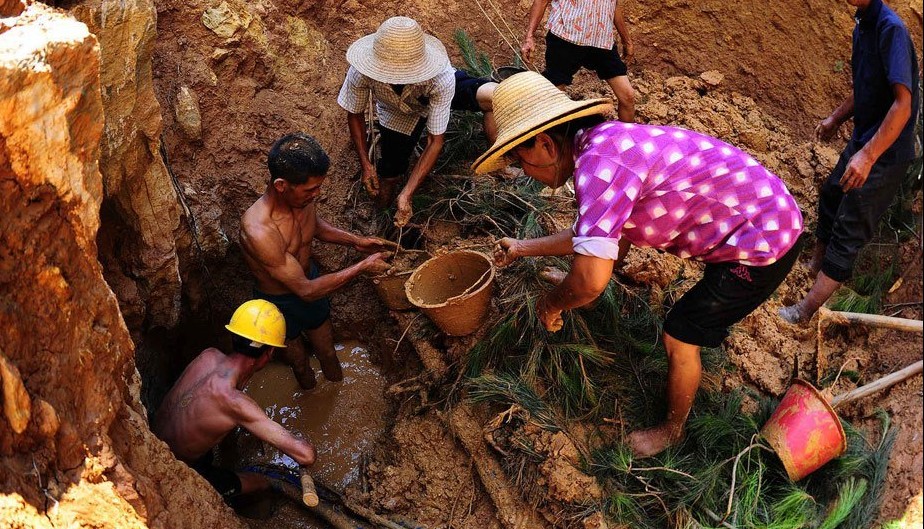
pixel 501 33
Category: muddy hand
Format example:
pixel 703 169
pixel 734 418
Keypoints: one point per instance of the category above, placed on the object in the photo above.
pixel 628 51
pixel 857 171
pixel 526 50
pixel 371 181
pixel 551 319
pixel 505 252
pixel 825 129
pixel 375 263
pixel 403 216
pixel 374 244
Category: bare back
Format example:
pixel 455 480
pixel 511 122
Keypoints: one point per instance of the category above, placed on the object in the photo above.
pixel 195 415
pixel 272 235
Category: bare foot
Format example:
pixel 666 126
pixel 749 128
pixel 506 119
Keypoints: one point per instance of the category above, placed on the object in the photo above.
pixel 794 314
pixel 305 378
pixel 331 369
pixel 653 441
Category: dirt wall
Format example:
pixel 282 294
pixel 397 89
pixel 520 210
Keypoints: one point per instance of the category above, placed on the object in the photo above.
pixel 140 239
pixel 75 449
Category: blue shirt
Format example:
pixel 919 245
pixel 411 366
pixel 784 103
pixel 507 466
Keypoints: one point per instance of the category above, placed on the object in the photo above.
pixel 882 57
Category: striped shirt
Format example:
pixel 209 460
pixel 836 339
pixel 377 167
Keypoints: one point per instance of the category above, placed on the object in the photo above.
pixel 679 191
pixel 400 113
pixel 583 22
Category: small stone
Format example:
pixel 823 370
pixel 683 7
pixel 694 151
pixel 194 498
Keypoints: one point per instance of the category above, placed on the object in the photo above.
pixel 187 113
pixel 17 406
pixel 712 77
pixel 45 418
pixel 755 139
pixel 225 22
pixel 11 8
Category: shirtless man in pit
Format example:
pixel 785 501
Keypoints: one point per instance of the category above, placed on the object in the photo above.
pixel 206 402
pixel 276 235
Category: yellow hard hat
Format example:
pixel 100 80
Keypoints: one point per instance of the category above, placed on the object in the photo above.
pixel 260 321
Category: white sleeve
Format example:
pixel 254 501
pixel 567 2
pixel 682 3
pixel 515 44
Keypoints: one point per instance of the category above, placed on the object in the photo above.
pixel 602 247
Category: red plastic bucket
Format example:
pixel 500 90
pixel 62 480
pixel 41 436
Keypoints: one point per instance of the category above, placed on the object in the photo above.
pixel 804 431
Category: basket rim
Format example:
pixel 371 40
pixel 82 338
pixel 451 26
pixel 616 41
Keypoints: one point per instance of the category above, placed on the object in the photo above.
pixel 465 295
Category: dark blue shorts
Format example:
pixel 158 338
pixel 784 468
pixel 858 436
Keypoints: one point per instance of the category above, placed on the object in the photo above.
pixel 465 97
pixel 300 315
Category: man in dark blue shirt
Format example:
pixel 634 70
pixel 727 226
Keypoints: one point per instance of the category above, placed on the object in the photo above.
pixel 870 170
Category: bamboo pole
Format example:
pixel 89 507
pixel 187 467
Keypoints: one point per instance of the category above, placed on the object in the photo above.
pixel 874 320
pixel 878 385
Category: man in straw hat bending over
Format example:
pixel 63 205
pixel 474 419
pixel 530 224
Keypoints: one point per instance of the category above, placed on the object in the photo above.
pixel 652 186
pixel 408 74
pixel 207 401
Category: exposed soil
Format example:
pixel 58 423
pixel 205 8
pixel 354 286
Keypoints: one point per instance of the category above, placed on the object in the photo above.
pixel 265 81
pixel 232 80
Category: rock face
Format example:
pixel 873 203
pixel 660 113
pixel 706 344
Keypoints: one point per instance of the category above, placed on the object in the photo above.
pixel 75 449
pixel 139 250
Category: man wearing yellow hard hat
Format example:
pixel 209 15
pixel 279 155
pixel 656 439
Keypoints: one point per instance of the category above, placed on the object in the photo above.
pixel 206 403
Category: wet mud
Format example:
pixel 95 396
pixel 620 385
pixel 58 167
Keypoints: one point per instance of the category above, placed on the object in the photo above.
pixel 342 420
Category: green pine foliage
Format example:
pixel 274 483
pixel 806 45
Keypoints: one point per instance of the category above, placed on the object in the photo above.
pixel 477 63
pixel 608 362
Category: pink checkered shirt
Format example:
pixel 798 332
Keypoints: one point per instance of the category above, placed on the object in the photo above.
pixel 679 191
pixel 583 22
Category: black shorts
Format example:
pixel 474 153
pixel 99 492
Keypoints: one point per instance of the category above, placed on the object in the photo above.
pixel 846 222
pixel 226 482
pixel 563 59
pixel 396 148
pixel 724 296
pixel 300 315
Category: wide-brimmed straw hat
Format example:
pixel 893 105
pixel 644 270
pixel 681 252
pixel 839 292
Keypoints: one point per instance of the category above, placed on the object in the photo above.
pixel 399 52
pixel 526 104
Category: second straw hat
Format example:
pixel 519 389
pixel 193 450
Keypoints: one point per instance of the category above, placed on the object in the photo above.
pixel 526 104
pixel 399 52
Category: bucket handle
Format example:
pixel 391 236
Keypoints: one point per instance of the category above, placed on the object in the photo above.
pixel 878 385
pixel 476 285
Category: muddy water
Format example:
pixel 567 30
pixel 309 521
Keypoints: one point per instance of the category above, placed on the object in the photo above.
pixel 342 420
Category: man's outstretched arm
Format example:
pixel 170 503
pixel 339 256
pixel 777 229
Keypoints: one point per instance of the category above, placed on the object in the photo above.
pixel 249 415
pixel 418 174
pixel 828 126
pixel 327 232
pixel 357 126
pixel 266 246
pixel 532 24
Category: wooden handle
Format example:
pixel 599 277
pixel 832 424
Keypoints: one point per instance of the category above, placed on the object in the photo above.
pixel 309 494
pixel 878 385
pixel 874 320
